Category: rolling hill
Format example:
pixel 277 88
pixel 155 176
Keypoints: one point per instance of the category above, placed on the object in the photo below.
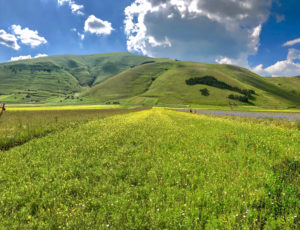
pixel 134 79
pixel 164 83
pixel 39 79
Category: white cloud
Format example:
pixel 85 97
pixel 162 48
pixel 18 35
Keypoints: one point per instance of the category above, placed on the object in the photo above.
pixel 82 36
pixel 293 54
pixel 163 43
pixel 242 60
pixel 284 68
pixel 28 37
pixel 97 26
pixel 224 60
pixel 8 40
pixel 200 30
pixel 20 58
pixel 292 42
pixel 41 55
pixel 61 2
pixel 27 57
pixel 76 9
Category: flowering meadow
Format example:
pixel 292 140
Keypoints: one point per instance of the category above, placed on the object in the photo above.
pixel 19 125
pixel 154 169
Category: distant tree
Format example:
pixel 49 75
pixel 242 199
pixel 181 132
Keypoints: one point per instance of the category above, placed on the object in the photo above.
pixel 204 92
pixel 239 98
pixel 147 62
pixel 211 81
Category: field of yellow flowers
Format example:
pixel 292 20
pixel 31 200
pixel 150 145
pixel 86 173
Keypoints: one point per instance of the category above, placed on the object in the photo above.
pixel 154 169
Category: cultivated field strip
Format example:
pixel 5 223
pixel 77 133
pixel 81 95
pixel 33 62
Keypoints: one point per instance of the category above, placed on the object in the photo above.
pixel 20 125
pixel 154 169
pixel 249 114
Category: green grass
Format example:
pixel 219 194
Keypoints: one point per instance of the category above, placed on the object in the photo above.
pixel 19 125
pixel 154 169
pixel 289 84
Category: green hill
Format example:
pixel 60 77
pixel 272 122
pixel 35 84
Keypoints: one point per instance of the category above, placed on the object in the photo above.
pixel 41 78
pixel 164 83
pixel 134 79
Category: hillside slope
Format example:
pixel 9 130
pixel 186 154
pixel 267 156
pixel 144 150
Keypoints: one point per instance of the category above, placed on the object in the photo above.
pixel 290 84
pixel 40 78
pixel 164 83
pixel 133 79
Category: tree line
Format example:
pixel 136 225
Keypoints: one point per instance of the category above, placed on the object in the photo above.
pixel 211 81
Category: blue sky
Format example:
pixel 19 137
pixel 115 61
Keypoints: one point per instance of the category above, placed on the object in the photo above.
pixel 261 35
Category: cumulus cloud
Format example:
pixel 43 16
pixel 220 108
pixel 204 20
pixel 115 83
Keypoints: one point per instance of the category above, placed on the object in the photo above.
pixel 287 68
pixel 28 37
pixel 27 57
pixel 8 40
pixel 97 26
pixel 76 9
pixel 292 42
pixel 200 30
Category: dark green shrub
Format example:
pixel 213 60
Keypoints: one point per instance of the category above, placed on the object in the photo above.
pixel 147 62
pixel 204 92
pixel 239 98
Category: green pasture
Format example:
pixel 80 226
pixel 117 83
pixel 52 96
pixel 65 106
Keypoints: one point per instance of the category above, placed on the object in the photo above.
pixel 154 169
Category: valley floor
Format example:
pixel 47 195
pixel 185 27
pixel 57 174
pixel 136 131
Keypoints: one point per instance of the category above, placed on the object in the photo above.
pixel 154 169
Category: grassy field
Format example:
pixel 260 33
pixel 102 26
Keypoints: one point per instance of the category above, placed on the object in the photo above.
pixel 21 124
pixel 42 107
pixel 154 169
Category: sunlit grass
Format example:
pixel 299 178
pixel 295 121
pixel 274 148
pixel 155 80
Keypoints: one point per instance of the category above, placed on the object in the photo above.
pixel 19 125
pixel 66 107
pixel 154 169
